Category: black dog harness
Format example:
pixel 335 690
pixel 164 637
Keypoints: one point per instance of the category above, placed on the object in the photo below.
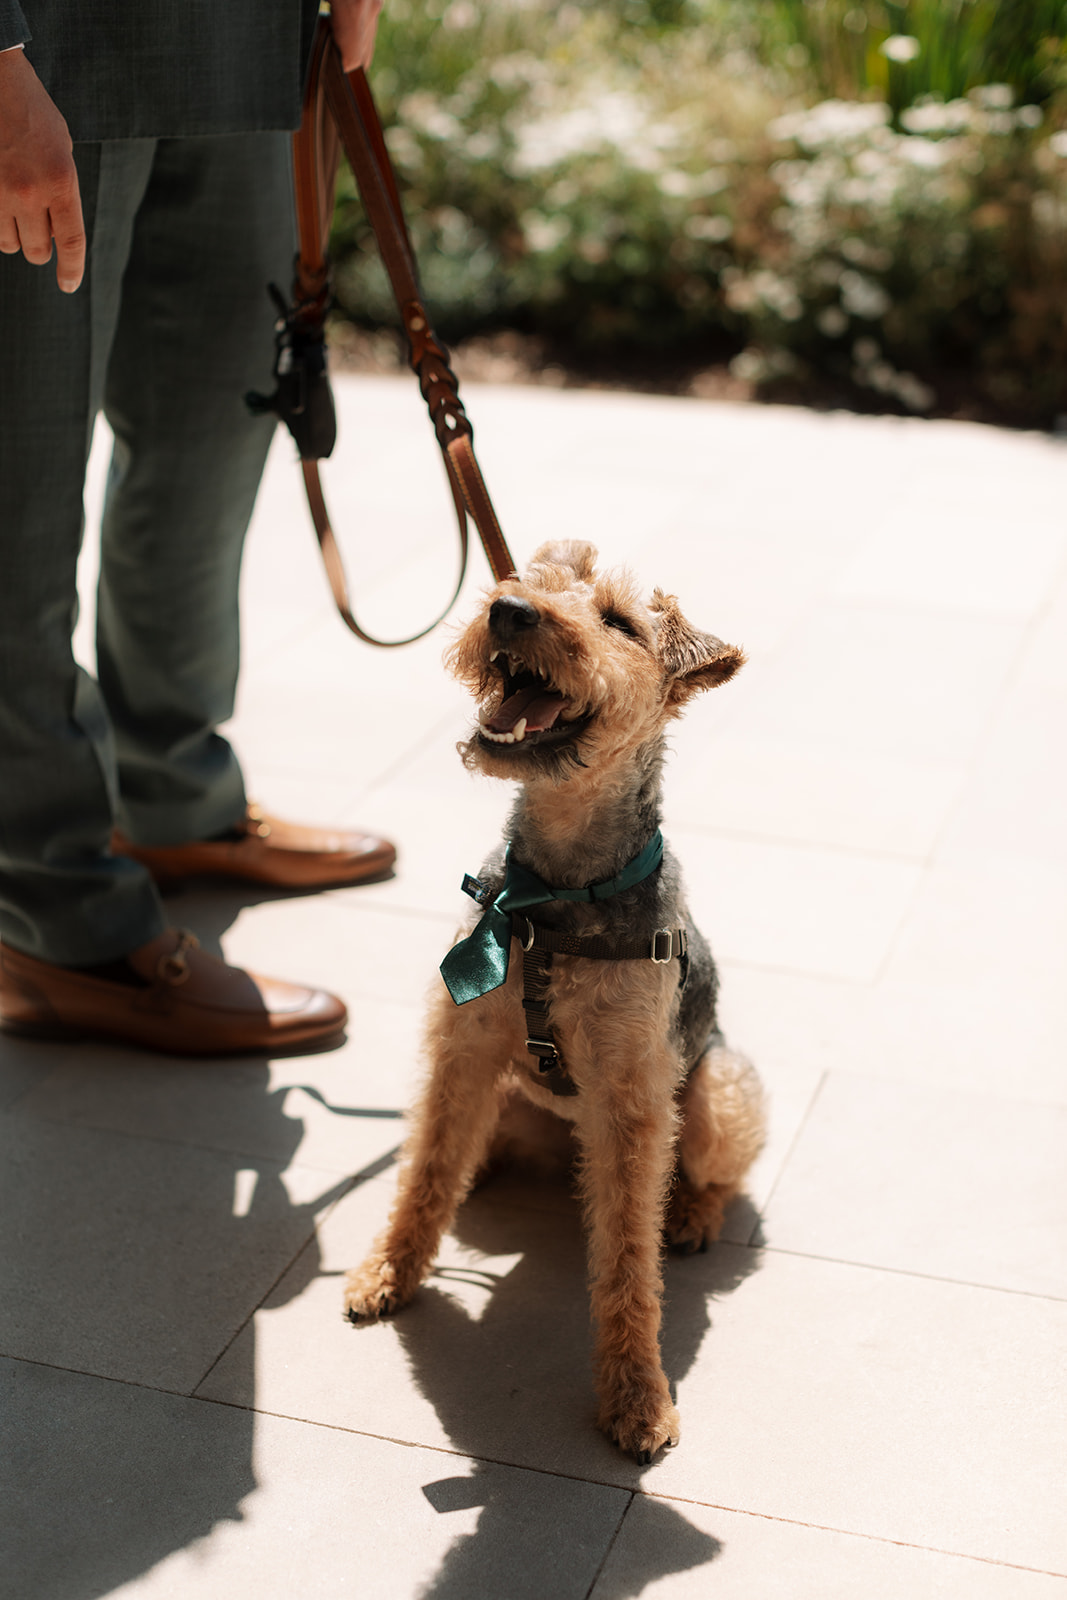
pixel 478 964
pixel 538 947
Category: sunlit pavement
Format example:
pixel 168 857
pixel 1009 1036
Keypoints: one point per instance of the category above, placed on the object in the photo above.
pixel 872 817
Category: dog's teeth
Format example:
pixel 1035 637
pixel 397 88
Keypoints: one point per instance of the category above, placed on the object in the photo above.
pixel 518 732
pixel 493 657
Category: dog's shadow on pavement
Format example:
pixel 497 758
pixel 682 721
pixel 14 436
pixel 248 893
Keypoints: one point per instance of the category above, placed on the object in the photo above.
pixel 504 1356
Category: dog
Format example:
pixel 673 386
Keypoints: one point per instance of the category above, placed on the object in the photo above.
pixel 583 987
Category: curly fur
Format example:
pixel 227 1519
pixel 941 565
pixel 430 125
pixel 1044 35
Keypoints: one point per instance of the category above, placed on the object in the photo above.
pixel 667 1119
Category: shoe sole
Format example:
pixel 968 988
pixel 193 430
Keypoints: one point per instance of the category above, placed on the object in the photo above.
pixel 71 1033
pixel 166 882
pixel 59 1031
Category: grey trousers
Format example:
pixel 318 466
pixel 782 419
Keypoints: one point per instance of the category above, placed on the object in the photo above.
pixel 169 329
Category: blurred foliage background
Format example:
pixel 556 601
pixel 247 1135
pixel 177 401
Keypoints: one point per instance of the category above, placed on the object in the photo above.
pixel 853 201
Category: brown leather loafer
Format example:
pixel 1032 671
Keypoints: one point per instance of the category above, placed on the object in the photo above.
pixel 190 1003
pixel 267 850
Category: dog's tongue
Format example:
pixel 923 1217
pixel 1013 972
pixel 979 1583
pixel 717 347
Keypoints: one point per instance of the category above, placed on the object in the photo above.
pixel 539 706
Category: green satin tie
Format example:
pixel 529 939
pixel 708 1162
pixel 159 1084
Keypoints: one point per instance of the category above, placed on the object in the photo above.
pixel 479 963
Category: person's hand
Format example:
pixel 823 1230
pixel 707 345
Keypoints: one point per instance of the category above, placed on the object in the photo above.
pixel 355 24
pixel 39 197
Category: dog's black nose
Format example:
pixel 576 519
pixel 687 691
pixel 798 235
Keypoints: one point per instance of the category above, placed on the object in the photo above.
pixel 511 615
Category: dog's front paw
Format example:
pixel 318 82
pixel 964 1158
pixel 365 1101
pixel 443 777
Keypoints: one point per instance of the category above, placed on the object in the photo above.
pixel 641 1426
pixel 374 1290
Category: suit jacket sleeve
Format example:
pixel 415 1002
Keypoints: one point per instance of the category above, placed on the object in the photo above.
pixel 144 69
pixel 13 29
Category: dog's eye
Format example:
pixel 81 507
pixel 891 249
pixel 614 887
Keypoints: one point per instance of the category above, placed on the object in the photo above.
pixel 615 619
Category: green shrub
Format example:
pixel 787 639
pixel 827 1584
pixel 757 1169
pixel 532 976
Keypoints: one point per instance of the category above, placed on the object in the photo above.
pixel 902 50
pixel 654 176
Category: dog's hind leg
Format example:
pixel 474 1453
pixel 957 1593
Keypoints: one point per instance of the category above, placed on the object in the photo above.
pixel 451 1127
pixel 626 1143
pixel 722 1134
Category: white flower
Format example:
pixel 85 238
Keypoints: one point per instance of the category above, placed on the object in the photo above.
pixel 832 321
pixel 832 122
pixel 611 117
pixel 544 233
pixel 923 152
pixel 902 47
pixel 692 185
pixel 426 115
pixel 994 96
pixel 861 296
pixel 750 366
pixel 933 116
pixel 712 229
pixel 520 68
pixel 913 393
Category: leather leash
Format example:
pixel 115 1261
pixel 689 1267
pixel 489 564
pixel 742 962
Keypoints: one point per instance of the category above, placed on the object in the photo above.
pixel 339 111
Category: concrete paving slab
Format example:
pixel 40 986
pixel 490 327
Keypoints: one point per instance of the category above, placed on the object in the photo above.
pixel 906 1409
pixel 986 917
pixel 923 556
pixel 339 942
pixel 966 1035
pixel 23 1066
pixel 736 1557
pixel 830 913
pixel 1044 664
pixel 870 820
pixel 100 1481
pixel 962 1186
pixel 320 729
pixel 141 1259
pixel 898 682
pixel 873 1402
pixel 247 1107
pixel 1016 798
pixel 198 1499
pixel 791 791
pixel 493 1355
pixel 446 836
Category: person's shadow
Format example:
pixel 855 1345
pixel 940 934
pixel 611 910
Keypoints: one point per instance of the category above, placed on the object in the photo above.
pixel 129 1262
pixel 511 1382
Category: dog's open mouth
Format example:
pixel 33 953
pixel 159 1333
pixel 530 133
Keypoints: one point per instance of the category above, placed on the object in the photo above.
pixel 532 708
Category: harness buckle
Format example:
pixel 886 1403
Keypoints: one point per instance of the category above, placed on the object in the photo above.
pixel 527 943
pixel 546 1052
pixel 654 953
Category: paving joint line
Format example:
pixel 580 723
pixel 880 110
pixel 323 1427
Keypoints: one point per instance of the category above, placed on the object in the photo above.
pixel 853 1533
pixel 788 1156
pixel 624 1513
pixel 905 1272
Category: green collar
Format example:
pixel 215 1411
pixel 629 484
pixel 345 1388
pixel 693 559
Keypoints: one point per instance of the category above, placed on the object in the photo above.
pixel 479 963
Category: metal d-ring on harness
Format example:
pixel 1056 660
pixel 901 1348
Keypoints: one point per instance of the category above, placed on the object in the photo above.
pixel 538 946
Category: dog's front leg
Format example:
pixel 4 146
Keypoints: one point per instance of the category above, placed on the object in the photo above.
pixel 627 1139
pixel 451 1126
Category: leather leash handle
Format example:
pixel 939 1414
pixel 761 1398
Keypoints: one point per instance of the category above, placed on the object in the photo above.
pixel 339 110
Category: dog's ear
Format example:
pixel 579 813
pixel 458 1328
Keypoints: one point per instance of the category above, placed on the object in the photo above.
pixel 693 660
pixel 573 553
